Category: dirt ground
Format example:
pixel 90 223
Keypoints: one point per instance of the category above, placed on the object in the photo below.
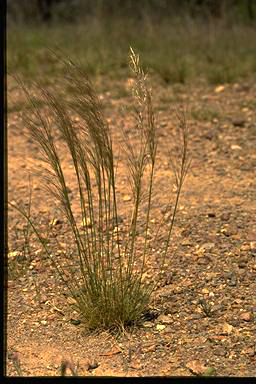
pixel 203 313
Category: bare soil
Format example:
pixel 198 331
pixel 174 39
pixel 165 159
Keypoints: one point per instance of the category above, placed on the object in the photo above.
pixel 203 312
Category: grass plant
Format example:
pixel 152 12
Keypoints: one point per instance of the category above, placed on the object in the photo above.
pixel 105 274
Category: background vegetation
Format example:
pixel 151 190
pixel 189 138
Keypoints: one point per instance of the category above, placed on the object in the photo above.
pixel 179 41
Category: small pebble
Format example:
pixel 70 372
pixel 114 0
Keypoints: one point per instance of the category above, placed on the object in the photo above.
pixel 239 122
pixel 148 324
pixel 91 366
pixel 246 316
pixel 225 216
pixel 165 319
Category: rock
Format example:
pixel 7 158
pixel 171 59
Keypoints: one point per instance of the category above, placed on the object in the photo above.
pixel 160 327
pixel 165 319
pixel 243 259
pixel 220 352
pixel 250 351
pixel 232 282
pixel 149 348
pixel 136 365
pixel 148 324
pixel 242 264
pixel 231 279
pixel 229 231
pixel 186 242
pixel 91 366
pixel 236 147
pixel 14 254
pixel 208 246
pixel 219 89
pixel 225 216
pixel 245 247
pixel 43 299
pixel 205 247
pixel 232 355
pixel 246 316
pixel 127 198
pixel 114 351
pixel 227 328
pixel 239 122
pixel 198 368
pixel 216 338
pixel 211 214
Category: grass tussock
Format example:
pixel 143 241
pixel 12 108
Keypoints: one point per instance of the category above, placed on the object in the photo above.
pixel 105 274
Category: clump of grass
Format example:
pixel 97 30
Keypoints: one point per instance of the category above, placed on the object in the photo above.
pixel 105 274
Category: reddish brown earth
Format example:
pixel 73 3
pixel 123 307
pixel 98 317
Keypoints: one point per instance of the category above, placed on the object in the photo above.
pixel 212 256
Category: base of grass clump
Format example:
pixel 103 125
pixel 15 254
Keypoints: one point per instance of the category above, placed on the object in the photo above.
pixel 106 271
pixel 117 307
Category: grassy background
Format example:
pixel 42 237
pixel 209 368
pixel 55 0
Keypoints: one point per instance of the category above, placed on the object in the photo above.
pixel 179 49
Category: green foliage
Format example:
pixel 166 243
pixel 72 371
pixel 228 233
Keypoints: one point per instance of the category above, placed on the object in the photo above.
pixel 66 11
pixel 177 50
